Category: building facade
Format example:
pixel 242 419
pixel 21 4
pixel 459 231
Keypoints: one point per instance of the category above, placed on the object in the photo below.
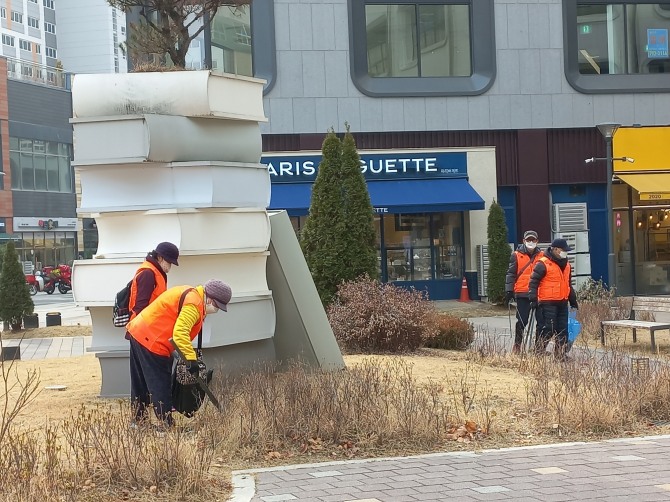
pixel 529 80
pixel 37 197
pixel 28 29
pixel 92 36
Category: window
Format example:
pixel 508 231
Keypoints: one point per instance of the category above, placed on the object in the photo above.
pixel 242 46
pixel 40 165
pixel 7 40
pixel 33 23
pixel 3 13
pixel 32 1
pixel 51 52
pixel 25 45
pixel 422 48
pixel 38 49
pixel 49 27
pixel 617 46
pixel 49 4
pixel 17 17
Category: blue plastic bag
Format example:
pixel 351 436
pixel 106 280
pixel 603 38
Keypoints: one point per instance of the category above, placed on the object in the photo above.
pixel 574 326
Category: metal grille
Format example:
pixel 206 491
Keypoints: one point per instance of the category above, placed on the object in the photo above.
pixel 570 217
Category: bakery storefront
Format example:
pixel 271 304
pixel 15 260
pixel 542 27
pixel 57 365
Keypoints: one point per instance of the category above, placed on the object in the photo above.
pixel 430 209
pixel 641 205
pixel 45 241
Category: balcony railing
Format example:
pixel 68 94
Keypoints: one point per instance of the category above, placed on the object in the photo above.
pixel 27 71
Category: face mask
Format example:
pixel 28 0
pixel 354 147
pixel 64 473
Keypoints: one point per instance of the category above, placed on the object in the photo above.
pixel 211 309
pixel 563 254
pixel 530 245
pixel 165 265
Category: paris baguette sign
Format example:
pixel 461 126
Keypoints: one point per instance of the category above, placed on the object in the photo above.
pixel 302 167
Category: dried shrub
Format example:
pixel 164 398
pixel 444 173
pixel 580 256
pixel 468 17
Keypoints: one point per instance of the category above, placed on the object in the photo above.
pixel 369 316
pixel 143 67
pixel 452 333
pixel 597 303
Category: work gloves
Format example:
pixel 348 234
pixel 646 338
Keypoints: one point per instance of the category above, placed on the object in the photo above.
pixel 509 296
pixel 574 305
pixel 195 367
pixel 533 301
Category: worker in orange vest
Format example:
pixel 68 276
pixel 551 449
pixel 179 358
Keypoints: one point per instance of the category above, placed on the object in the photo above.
pixel 550 291
pixel 521 265
pixel 177 314
pixel 150 279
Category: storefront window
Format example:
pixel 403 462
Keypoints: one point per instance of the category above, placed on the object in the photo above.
pixel 423 247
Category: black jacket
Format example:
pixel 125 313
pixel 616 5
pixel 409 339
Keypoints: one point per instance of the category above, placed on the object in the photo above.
pixel 540 270
pixel 513 269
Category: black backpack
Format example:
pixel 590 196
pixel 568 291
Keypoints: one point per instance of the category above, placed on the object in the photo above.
pixel 121 312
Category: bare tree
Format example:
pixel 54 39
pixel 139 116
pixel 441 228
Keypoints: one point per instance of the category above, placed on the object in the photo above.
pixel 169 26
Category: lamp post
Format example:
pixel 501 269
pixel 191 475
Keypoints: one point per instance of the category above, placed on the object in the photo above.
pixel 608 131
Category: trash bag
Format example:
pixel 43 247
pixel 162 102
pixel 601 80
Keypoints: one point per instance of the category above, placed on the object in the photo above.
pixel 187 398
pixel 574 328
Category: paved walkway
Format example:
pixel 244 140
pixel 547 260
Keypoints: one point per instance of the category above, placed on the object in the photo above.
pixel 631 470
pixel 45 348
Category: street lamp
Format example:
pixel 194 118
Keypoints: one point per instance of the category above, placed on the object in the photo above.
pixel 608 131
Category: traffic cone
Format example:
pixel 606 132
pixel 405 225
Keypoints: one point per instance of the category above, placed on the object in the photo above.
pixel 465 296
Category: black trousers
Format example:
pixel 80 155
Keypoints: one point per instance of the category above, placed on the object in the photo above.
pixel 552 322
pixel 150 383
pixel 522 317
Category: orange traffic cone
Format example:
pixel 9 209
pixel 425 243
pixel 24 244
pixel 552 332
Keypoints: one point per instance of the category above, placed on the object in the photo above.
pixel 465 296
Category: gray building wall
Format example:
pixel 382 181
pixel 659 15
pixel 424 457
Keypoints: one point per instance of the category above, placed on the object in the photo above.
pixel 40 112
pixel 314 89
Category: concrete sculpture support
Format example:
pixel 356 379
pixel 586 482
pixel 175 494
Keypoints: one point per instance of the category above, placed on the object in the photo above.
pixel 175 156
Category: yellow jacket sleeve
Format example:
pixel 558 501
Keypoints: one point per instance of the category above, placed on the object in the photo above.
pixel 181 334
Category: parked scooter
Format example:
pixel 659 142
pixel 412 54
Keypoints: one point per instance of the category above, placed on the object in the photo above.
pixel 35 282
pixel 58 277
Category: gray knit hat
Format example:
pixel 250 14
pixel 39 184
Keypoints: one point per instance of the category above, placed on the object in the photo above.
pixel 529 233
pixel 220 292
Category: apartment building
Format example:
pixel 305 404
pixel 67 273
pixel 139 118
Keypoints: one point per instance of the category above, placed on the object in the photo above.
pixel 91 36
pixel 37 196
pixel 28 30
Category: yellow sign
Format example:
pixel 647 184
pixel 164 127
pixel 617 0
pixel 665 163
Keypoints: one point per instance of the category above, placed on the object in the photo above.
pixel 655 196
pixel 647 145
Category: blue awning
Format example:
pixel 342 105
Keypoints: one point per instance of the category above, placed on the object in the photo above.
pixel 406 196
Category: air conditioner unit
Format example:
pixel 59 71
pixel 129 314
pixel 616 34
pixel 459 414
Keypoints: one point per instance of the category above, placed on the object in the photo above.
pixel 572 217
pixel 483 267
pixel 570 237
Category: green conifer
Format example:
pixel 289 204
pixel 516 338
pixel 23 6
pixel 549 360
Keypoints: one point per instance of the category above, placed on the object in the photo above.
pixel 320 238
pixel 15 300
pixel 360 237
pixel 499 252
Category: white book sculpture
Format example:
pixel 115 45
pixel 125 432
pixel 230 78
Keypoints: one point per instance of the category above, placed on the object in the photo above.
pixel 175 157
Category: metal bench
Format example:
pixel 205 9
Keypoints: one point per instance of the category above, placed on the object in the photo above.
pixel 641 304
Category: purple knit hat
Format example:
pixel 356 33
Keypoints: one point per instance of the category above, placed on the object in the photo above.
pixel 220 292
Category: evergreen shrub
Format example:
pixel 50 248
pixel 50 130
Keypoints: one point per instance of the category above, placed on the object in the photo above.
pixel 369 316
pixel 15 300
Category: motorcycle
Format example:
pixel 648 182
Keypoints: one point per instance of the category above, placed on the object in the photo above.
pixel 59 277
pixel 35 282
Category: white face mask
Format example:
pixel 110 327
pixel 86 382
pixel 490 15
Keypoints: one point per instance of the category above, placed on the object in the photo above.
pixel 563 254
pixel 165 265
pixel 530 245
pixel 211 309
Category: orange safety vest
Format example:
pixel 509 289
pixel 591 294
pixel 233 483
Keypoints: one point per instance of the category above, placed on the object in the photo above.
pixel 160 287
pixel 153 327
pixel 526 264
pixel 555 286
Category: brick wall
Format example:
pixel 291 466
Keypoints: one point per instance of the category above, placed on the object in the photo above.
pixel 6 193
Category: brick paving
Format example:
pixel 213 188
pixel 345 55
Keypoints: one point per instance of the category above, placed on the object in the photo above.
pixel 631 470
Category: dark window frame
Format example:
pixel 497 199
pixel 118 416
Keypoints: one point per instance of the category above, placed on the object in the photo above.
pixel 483 54
pixel 603 84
